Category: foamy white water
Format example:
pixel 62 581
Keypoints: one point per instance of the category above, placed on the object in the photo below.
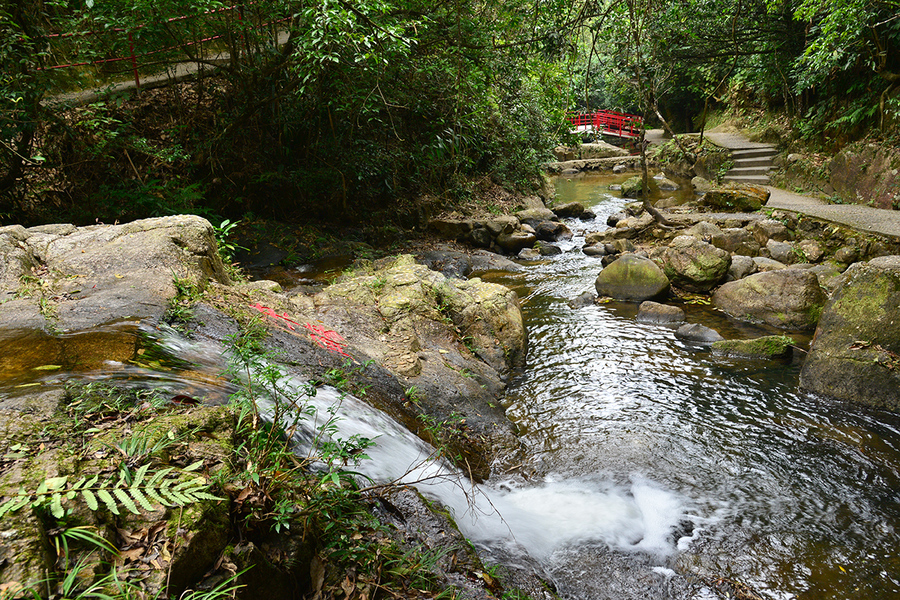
pixel 537 519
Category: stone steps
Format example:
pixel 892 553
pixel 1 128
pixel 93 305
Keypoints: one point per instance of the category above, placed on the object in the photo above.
pixel 752 165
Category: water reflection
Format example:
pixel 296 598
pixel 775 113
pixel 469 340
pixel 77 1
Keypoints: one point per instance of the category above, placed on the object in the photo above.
pixel 128 351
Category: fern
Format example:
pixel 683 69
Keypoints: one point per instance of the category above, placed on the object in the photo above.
pixel 165 487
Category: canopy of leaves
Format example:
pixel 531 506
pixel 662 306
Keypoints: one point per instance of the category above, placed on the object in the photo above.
pixel 330 107
pixel 835 62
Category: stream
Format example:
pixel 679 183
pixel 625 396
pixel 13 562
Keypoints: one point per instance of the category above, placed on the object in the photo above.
pixel 653 469
pixel 752 480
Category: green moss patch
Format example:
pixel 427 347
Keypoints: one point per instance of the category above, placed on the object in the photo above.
pixel 771 347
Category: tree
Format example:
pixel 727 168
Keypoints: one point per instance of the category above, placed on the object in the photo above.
pixel 358 104
pixel 21 92
pixel 858 39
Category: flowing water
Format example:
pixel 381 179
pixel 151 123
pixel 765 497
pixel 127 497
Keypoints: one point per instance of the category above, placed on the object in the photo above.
pixel 654 470
pixel 749 479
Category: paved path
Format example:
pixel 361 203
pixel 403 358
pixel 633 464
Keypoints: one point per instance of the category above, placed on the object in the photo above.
pixel 733 141
pixel 175 73
pixel 862 218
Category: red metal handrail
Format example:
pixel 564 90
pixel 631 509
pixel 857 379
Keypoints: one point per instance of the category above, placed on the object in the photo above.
pixel 133 56
pixel 609 122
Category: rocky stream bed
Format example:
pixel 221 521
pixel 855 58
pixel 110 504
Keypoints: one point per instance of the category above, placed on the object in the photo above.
pixel 427 345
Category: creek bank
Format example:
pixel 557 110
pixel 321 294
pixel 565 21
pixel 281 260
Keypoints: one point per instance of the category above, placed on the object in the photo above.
pixel 434 351
pixel 861 173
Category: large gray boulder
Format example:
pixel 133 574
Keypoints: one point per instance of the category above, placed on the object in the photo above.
pixel 694 265
pixel 569 210
pixel 533 216
pixel 769 229
pixel 788 299
pixel 698 334
pixel 552 231
pixel 741 266
pixel 632 277
pixel 736 240
pixel 514 241
pixel 783 252
pixel 855 355
pixel 81 277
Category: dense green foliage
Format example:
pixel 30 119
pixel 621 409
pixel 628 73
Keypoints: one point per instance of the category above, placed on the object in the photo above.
pixel 335 108
pixel 833 65
pixel 327 108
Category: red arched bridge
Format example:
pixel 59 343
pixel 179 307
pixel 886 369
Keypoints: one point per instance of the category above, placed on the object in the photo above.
pixel 607 122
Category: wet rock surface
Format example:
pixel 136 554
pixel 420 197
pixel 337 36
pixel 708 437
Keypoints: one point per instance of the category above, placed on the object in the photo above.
pixel 698 334
pixel 654 312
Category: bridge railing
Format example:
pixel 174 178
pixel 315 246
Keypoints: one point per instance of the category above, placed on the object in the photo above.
pixel 148 47
pixel 609 122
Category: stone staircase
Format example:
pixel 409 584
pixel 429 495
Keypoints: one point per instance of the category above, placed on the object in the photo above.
pixel 752 165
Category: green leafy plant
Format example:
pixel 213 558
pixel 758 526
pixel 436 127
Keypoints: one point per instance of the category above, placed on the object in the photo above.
pixel 63 537
pixel 181 305
pixel 167 487
pixel 99 400
pixel 227 247
pixel 140 445
pixel 80 583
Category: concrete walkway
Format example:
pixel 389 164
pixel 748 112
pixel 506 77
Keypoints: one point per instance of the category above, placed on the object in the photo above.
pixel 862 218
pixel 733 141
pixel 174 73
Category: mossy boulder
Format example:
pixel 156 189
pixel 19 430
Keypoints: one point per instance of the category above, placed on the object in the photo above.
pixel 455 341
pixel 736 197
pixel 694 265
pixel 855 355
pixel 632 277
pixel 633 187
pixel 770 347
pixel 787 299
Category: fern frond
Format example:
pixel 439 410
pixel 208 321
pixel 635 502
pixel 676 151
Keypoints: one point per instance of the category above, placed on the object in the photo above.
pixel 56 507
pixel 194 466
pixel 139 476
pixel 154 495
pixel 108 500
pixel 90 499
pixel 126 500
pixel 141 499
pixel 166 487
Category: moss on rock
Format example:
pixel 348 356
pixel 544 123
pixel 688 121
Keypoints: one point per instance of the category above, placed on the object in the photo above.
pixel 766 347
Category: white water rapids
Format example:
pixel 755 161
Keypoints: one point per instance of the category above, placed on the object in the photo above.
pixel 537 519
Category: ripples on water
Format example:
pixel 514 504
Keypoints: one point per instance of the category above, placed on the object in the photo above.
pixel 793 495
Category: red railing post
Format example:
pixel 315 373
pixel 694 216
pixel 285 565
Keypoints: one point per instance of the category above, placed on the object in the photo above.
pixel 137 79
